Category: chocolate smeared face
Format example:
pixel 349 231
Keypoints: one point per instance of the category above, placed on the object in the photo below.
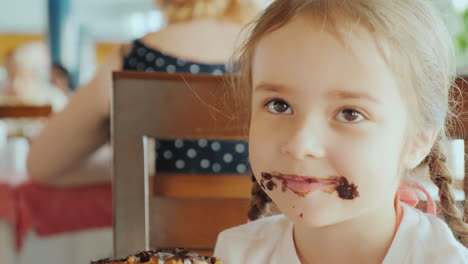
pixel 306 121
pixel 302 186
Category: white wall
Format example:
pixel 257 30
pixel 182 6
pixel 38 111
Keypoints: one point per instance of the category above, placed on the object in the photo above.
pixel 106 19
pixel 119 20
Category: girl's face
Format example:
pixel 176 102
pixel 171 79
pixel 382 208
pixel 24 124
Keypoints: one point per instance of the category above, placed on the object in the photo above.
pixel 323 109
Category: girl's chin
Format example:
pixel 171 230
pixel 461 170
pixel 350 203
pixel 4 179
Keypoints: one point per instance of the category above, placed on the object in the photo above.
pixel 314 220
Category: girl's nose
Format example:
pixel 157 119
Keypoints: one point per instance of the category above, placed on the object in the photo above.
pixel 304 142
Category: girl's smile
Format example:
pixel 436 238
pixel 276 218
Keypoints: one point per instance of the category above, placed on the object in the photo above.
pixel 303 185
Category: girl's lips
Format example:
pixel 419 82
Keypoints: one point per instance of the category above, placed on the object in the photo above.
pixel 301 184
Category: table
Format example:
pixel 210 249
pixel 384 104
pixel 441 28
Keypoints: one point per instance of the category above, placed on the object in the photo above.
pixel 43 224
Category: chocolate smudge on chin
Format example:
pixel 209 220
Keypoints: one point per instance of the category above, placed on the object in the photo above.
pixel 266 176
pixel 271 185
pixel 346 190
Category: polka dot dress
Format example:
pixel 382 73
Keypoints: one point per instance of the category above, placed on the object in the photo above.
pixel 202 156
pixel 189 156
pixel 143 58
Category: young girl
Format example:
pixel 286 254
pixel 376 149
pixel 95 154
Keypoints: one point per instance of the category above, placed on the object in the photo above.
pixel 348 98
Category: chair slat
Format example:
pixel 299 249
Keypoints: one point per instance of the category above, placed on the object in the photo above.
pixel 209 185
pixel 193 222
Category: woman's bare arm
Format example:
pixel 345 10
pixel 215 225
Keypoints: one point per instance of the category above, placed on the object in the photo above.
pixel 96 169
pixel 73 135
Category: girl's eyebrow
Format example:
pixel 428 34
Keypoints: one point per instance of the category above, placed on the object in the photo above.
pixel 335 94
pixel 343 94
pixel 268 87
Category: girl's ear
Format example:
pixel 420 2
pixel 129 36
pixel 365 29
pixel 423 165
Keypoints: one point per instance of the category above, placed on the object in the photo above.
pixel 421 145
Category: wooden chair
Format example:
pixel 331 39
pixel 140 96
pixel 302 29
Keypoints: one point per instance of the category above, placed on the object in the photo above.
pixel 171 106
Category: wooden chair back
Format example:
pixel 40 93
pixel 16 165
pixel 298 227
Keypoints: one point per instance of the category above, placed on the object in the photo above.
pixel 191 210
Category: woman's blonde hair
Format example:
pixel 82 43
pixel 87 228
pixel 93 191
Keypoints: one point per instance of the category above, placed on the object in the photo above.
pixel 239 11
pixel 415 43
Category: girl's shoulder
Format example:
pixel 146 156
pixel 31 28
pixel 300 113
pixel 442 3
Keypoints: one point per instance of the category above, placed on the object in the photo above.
pixel 258 229
pixel 267 240
pixel 423 238
pixel 441 244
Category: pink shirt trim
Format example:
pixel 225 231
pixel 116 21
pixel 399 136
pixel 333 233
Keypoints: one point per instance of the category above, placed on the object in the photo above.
pixel 407 194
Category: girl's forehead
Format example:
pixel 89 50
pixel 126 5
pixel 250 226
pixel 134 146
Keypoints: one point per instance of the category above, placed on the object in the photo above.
pixel 305 35
pixel 304 52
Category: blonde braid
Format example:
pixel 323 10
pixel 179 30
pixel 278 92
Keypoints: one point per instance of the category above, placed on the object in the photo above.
pixel 260 202
pixel 443 179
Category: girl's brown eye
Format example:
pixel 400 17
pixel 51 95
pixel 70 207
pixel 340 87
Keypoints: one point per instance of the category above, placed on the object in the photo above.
pixel 349 116
pixel 277 106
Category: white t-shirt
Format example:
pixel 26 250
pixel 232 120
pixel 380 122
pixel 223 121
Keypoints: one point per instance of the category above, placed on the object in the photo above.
pixel 420 238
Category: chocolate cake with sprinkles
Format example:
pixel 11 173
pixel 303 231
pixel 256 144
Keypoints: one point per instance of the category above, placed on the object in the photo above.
pixel 176 256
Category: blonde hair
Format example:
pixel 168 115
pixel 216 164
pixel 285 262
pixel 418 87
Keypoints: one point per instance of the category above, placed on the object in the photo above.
pixel 416 45
pixel 239 11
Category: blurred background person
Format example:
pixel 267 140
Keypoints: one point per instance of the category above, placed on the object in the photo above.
pixel 200 37
pixel 28 78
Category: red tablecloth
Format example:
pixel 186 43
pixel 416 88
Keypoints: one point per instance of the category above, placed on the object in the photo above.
pixel 50 211
pixel 7 204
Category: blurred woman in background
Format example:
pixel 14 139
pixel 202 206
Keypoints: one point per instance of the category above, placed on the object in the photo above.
pixel 200 38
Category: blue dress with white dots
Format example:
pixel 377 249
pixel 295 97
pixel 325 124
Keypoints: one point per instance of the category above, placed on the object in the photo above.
pixel 188 156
